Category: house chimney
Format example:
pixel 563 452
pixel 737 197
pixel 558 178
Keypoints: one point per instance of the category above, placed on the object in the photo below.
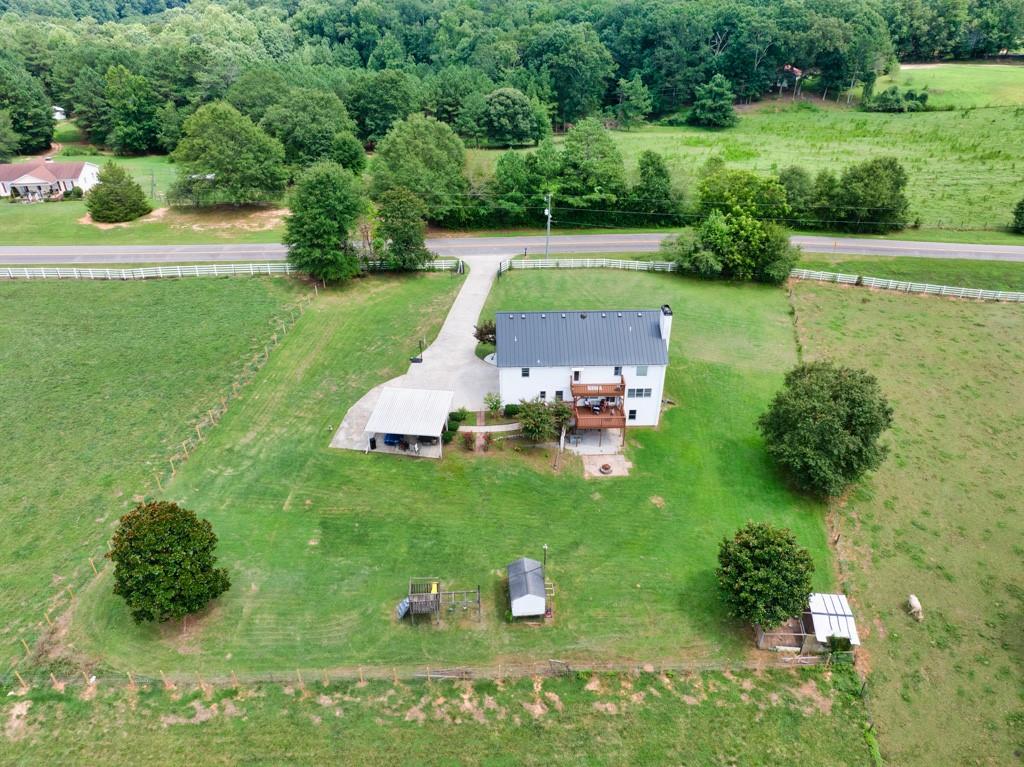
pixel 666 323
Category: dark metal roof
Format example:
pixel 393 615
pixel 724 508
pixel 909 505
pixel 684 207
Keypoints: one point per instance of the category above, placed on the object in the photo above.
pixel 608 337
pixel 525 578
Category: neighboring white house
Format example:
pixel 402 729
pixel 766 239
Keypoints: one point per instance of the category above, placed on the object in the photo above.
pixel 38 179
pixel 609 365
pixel 58 113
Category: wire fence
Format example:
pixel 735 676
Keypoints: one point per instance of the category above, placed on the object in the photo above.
pixel 190 270
pixel 878 283
pixel 40 676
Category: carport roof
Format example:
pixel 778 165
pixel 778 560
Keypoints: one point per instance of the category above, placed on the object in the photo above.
pixel 415 412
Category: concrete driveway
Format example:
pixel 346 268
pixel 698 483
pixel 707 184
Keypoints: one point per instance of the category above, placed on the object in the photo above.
pixel 449 363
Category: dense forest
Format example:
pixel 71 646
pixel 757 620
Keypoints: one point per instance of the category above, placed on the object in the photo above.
pixel 131 70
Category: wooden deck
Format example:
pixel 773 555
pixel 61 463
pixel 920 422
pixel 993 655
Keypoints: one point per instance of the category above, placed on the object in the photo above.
pixel 599 389
pixel 608 418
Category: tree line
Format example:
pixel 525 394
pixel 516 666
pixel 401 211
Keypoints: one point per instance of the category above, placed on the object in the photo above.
pixel 497 72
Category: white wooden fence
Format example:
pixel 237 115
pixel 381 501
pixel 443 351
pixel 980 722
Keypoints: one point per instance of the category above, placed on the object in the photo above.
pixel 796 274
pixel 183 270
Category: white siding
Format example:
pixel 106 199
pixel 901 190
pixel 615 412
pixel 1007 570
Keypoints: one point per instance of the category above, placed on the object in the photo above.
pixel 527 605
pixel 513 387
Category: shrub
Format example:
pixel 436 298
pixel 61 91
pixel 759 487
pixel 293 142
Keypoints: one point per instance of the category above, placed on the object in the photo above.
pixel 488 438
pixel 537 420
pixel 468 440
pixel 447 435
pixel 492 401
pixel 486 332
pixel 764 574
pixel 459 415
pixel 1018 218
pixel 75 193
pixel 117 197
pixel 511 410
pixel 164 562
pixel 823 426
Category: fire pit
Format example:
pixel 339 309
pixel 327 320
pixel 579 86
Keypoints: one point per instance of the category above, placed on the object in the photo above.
pixel 606 468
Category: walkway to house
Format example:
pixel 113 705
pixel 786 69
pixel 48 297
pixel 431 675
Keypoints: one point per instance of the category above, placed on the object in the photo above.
pixel 448 363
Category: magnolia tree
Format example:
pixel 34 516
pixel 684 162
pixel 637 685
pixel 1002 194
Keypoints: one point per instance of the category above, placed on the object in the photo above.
pixel 164 562
pixel 764 574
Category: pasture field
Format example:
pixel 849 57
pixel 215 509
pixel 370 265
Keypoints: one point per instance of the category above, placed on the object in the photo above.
pixel 805 717
pixel 321 542
pixel 941 518
pixel 100 383
pixel 962 85
pixel 990 275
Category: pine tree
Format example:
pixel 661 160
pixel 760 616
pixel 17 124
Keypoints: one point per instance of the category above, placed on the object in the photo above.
pixel 117 197
pixel 712 107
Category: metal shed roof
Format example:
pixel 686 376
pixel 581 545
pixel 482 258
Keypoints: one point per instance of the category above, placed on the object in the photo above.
pixel 832 617
pixel 525 578
pixel 418 412
pixel 580 337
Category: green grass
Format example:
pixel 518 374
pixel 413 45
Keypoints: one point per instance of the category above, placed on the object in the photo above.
pixel 67 132
pixel 990 275
pixel 58 223
pixel 941 519
pixel 801 718
pixel 100 383
pixel 962 85
pixel 965 166
pixel 321 542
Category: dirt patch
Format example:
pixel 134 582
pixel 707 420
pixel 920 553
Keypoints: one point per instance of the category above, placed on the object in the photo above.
pixel 607 708
pixel 594 685
pixel 416 713
pixel 16 726
pixel 658 501
pixel 202 714
pixel 230 709
pixel 809 691
pixel 691 700
pixel 87 221
pixel 555 700
pixel 89 693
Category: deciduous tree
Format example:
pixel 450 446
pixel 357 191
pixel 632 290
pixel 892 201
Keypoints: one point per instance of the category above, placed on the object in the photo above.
pixel 224 158
pixel 510 118
pixel 9 138
pixel 823 427
pixel 400 230
pixel 325 205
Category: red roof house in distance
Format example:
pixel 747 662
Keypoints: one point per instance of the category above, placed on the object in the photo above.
pixel 37 179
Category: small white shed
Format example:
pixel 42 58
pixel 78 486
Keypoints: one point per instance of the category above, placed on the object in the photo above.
pixel 831 616
pixel 526 593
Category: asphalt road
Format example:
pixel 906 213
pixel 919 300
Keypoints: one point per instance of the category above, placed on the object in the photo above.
pixel 462 247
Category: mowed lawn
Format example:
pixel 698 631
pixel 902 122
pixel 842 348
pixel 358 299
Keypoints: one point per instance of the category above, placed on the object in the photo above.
pixel 942 519
pixel 99 383
pixel 807 717
pixel 321 543
pixel 58 223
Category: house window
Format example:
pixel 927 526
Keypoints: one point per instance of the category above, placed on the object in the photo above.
pixel 647 392
pixel 559 395
pixel 618 370
pixel 526 372
pixel 638 393
pixel 630 393
pixel 632 415
pixel 641 370
pixel 576 375
pixel 543 395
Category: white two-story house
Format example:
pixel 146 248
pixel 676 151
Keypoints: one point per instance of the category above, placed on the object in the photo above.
pixel 608 364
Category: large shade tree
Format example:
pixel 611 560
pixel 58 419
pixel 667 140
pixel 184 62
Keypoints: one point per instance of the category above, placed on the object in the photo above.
pixel 764 574
pixel 164 562
pixel 325 205
pixel 823 427
pixel 510 118
pixel 423 155
pixel 307 123
pixel 24 98
pixel 223 157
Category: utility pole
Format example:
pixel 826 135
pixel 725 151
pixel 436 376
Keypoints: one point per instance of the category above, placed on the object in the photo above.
pixel 547 212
